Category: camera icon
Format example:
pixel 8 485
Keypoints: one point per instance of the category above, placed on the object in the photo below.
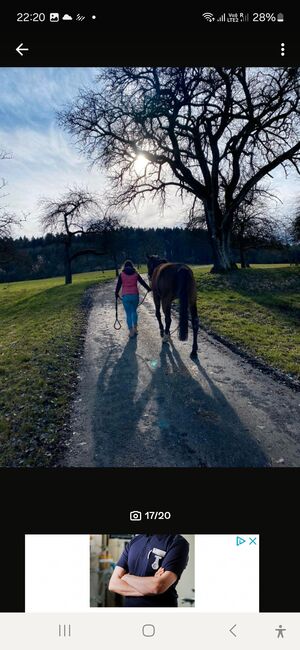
pixel 135 515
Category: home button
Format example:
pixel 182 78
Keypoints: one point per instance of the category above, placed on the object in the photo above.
pixel 148 630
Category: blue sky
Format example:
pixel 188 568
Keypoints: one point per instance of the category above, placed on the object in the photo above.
pixel 45 160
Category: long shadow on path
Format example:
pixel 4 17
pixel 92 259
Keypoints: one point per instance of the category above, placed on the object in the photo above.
pixel 167 414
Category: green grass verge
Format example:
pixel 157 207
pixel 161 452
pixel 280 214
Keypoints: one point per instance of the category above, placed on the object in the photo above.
pixel 41 334
pixel 41 325
pixel 257 309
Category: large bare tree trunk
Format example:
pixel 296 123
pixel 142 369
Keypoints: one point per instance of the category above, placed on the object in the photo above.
pixel 220 243
pixel 222 260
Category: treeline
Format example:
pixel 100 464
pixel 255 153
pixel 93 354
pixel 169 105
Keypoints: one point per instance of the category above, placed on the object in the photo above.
pixel 43 257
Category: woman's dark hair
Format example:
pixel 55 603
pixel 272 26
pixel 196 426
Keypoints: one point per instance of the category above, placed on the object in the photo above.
pixel 128 263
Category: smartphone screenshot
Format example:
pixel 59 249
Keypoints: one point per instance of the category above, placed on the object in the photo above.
pixel 149 327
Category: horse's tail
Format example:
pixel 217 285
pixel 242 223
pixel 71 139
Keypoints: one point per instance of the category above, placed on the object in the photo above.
pixel 183 287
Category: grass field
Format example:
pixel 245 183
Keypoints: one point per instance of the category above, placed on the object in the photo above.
pixel 41 335
pixel 257 309
pixel 41 325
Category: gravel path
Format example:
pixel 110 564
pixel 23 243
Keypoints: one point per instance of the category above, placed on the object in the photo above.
pixel 143 403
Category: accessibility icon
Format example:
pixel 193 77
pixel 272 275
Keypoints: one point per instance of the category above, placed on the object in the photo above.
pixel 240 540
pixel 280 631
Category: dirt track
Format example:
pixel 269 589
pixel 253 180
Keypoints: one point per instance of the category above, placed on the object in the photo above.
pixel 141 403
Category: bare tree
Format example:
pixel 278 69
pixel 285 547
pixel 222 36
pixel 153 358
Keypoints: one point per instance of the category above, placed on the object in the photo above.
pixel 104 230
pixel 255 224
pixel 254 230
pixel 7 221
pixel 210 133
pixel 75 213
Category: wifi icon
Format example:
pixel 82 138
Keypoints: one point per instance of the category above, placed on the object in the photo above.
pixel 208 16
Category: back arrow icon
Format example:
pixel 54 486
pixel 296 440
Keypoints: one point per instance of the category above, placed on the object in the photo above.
pixel 231 630
pixel 20 49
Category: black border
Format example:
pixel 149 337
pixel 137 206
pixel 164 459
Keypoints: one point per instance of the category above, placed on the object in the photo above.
pixel 200 500
pixel 162 36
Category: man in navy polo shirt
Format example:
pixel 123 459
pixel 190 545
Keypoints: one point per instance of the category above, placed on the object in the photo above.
pixel 149 569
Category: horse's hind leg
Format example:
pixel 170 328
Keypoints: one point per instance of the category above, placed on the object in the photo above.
pixel 168 320
pixel 166 305
pixel 195 326
pixel 157 314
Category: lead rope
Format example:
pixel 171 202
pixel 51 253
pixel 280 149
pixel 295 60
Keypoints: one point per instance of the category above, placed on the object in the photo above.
pixel 144 298
pixel 117 324
pixel 173 331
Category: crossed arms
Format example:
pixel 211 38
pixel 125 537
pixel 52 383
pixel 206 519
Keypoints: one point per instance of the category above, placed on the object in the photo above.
pixel 126 584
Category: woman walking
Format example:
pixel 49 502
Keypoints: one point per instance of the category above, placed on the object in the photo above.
pixel 128 280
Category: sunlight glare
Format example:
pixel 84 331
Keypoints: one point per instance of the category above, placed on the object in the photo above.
pixel 140 163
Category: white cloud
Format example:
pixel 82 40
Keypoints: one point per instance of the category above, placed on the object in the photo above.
pixel 43 164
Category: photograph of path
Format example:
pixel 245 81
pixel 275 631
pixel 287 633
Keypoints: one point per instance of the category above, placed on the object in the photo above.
pixel 149 267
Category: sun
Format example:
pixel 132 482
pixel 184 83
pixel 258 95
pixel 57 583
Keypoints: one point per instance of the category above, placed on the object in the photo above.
pixel 140 163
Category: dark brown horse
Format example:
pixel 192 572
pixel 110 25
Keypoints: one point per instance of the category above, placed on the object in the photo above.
pixel 170 281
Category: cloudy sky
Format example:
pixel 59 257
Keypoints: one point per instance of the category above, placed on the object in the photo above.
pixel 44 160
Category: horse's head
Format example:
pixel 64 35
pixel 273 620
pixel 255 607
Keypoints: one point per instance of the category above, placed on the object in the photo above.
pixel 152 262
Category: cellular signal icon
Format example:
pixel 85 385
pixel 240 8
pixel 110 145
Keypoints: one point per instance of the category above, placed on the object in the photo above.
pixel 222 19
pixel 208 16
